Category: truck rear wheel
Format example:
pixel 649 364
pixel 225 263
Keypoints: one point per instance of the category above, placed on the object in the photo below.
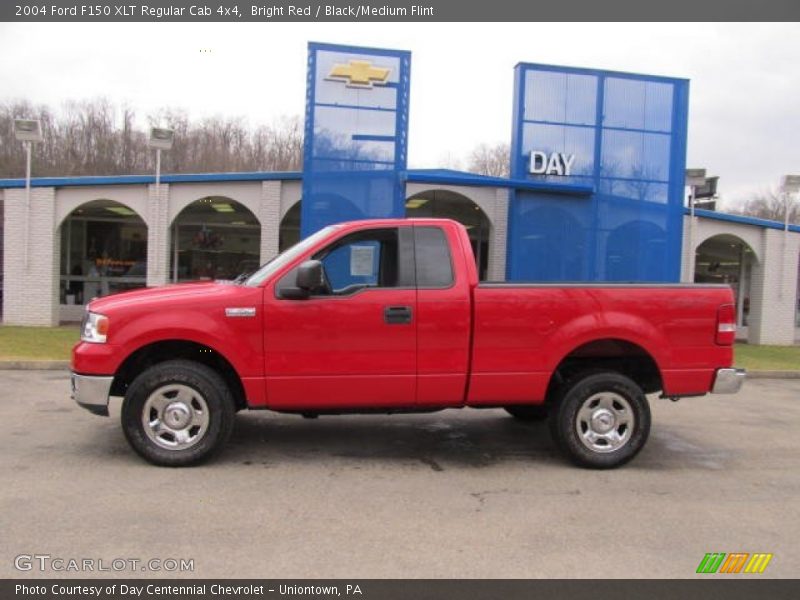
pixel 177 413
pixel 601 420
pixel 528 412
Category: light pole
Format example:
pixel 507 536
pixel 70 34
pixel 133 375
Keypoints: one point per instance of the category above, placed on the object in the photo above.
pixel 695 178
pixel 790 184
pixel 29 132
pixel 160 139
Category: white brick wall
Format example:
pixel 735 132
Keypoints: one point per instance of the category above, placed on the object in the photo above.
pixel 158 235
pixel 498 240
pixel 31 294
pixel 688 249
pixel 30 291
pixel 773 292
pixel 269 214
pixel 773 288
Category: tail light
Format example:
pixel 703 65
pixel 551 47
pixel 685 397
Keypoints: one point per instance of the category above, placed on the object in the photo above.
pixel 726 325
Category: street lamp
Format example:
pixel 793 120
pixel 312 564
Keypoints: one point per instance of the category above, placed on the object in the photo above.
pixel 694 179
pixel 29 132
pixel 160 139
pixel 790 184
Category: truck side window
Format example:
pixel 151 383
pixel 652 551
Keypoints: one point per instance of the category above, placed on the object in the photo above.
pixel 362 259
pixel 434 266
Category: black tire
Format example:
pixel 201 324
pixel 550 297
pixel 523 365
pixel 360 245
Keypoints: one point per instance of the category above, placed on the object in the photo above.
pixel 198 403
pixel 528 412
pixel 583 439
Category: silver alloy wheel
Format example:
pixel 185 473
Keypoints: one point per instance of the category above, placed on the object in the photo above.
pixel 175 417
pixel 605 422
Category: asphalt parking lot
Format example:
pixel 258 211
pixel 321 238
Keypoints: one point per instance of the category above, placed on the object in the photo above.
pixel 452 494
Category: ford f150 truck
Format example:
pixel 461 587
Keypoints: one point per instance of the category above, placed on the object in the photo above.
pixel 389 316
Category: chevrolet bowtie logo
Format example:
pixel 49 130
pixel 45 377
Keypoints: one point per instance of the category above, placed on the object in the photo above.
pixel 360 74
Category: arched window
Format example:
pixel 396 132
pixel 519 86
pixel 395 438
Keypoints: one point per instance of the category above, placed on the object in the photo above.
pixel 214 238
pixel 103 250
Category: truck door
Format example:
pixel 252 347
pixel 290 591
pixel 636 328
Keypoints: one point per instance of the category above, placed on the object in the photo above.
pixel 353 344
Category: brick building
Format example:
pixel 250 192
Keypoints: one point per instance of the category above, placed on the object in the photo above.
pixel 88 236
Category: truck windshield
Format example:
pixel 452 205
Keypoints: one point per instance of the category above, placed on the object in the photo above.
pixel 287 256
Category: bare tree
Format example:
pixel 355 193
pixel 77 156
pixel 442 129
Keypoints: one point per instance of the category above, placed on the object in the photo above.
pixel 96 138
pixel 771 205
pixel 12 152
pixel 490 160
pixel 448 160
pixel 283 145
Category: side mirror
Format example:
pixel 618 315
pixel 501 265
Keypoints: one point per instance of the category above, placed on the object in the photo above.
pixel 310 276
pixel 294 293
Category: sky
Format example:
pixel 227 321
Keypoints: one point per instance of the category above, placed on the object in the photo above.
pixel 744 113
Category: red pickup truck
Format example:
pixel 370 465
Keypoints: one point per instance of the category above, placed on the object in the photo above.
pixel 389 316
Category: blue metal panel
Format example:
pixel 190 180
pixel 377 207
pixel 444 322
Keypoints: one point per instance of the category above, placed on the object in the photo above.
pixel 450 177
pixel 540 224
pixel 627 134
pixel 356 134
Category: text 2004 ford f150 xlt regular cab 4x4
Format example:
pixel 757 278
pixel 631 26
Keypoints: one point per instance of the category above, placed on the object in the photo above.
pixel 388 316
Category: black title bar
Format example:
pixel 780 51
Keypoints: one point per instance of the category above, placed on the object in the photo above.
pixel 392 11
pixel 742 588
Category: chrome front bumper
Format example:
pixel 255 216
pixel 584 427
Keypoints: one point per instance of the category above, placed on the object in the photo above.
pixel 728 381
pixel 91 392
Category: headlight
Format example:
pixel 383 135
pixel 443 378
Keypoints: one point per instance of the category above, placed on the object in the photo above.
pixel 94 328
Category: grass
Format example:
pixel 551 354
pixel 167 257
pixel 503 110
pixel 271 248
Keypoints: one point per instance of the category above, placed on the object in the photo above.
pixel 37 343
pixel 768 358
pixel 55 343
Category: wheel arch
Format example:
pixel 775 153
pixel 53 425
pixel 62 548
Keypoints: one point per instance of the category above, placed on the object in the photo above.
pixel 160 351
pixel 615 354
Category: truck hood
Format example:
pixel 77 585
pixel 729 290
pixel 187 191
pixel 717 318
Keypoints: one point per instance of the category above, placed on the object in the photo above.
pixel 154 298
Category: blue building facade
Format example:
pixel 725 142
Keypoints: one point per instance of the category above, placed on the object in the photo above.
pixel 621 135
pixel 597 162
pixel 356 134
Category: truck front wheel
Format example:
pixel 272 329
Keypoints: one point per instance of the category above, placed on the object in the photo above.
pixel 177 413
pixel 602 420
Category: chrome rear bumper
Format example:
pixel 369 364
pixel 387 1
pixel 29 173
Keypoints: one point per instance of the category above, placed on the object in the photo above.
pixel 91 392
pixel 728 381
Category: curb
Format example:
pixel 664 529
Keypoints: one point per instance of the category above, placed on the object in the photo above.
pixel 63 365
pixel 773 375
pixel 34 365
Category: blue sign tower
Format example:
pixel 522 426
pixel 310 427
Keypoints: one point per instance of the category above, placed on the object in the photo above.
pixel 624 135
pixel 356 134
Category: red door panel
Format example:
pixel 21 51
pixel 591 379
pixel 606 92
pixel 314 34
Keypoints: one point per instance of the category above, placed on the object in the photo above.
pixel 340 352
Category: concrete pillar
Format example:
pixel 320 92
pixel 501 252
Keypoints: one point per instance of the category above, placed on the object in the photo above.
pixel 269 214
pixel 498 237
pixel 743 288
pixel 689 250
pixel 158 236
pixel 773 291
pixel 30 294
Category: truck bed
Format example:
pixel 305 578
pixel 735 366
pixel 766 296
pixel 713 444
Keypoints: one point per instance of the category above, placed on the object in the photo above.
pixel 523 332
